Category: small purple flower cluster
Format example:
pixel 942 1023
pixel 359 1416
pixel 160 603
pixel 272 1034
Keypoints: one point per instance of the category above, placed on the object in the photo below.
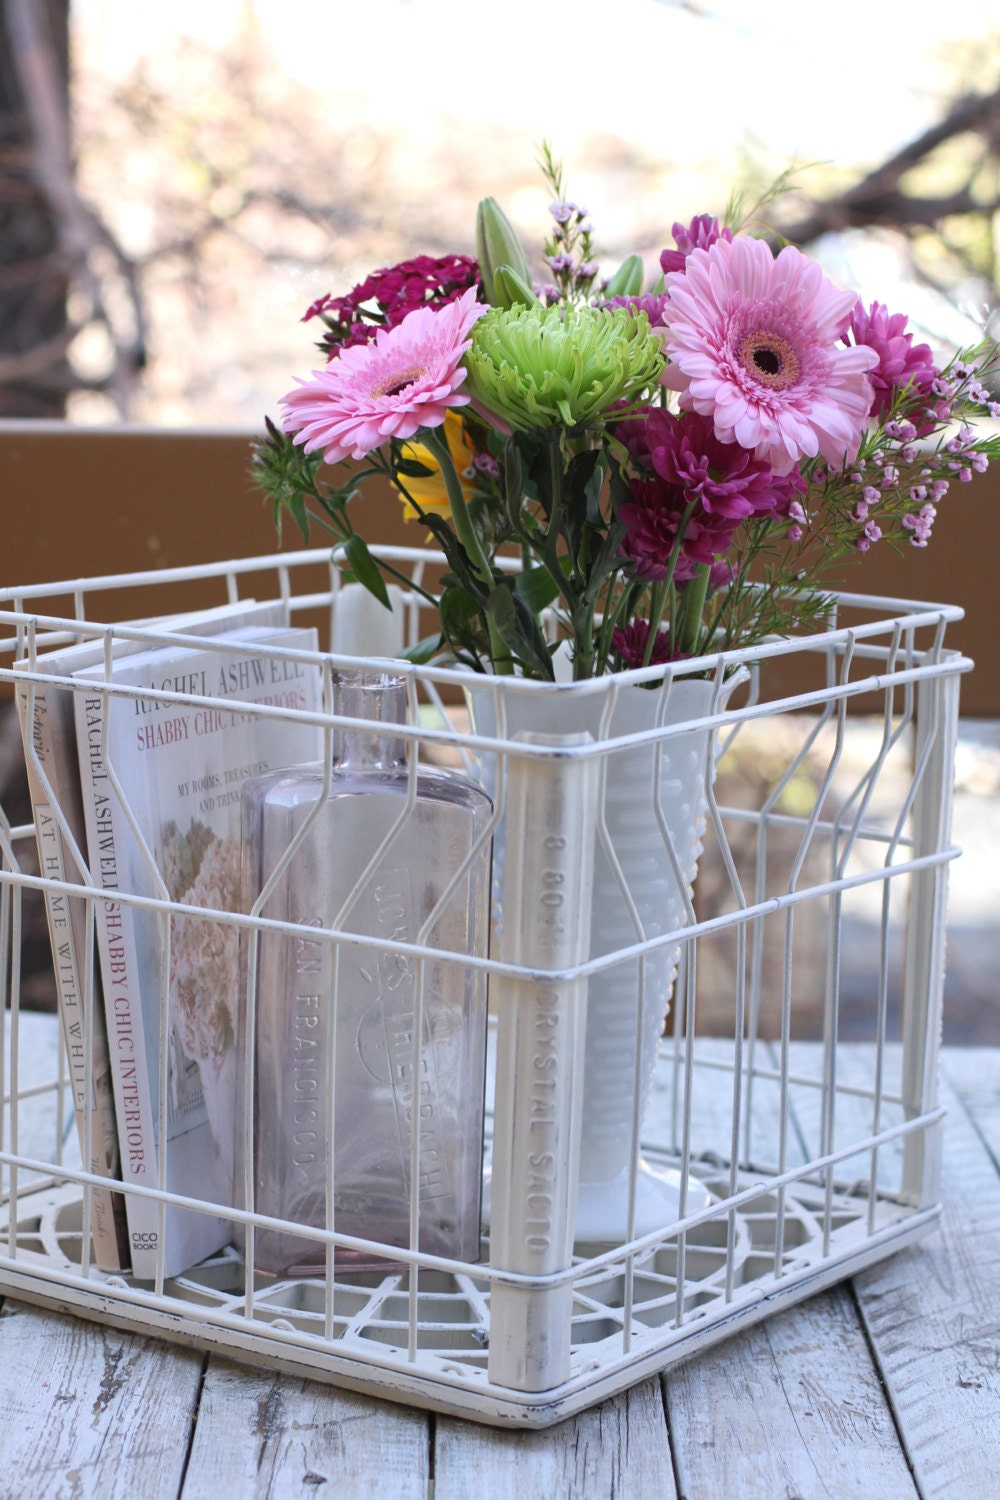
pixel 569 254
pixel 653 304
pixel 964 457
pixel 485 463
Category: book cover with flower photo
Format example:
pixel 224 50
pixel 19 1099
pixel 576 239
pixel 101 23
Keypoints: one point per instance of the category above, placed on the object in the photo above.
pixel 162 781
pixel 51 763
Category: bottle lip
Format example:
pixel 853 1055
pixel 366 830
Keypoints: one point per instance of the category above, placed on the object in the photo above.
pixel 367 678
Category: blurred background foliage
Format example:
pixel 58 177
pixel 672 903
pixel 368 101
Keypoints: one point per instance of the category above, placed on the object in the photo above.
pixel 166 217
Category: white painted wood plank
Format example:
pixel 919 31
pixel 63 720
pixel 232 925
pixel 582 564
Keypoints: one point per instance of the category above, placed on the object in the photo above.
pixel 261 1433
pixel 854 1112
pixel 854 1115
pixel 933 1314
pixel 616 1451
pixel 974 1074
pixel 794 1406
pixel 37 1064
pixel 86 1411
pixel 790 1408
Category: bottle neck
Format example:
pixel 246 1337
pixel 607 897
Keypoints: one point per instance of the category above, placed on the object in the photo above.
pixel 380 699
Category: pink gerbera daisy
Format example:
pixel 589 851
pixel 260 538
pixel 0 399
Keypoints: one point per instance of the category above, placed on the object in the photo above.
pixel 408 377
pixel 752 341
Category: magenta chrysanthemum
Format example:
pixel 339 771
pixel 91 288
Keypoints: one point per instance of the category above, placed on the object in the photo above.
pixel 407 378
pixel 901 362
pixel 630 643
pixel 753 344
pixel 723 479
pixel 692 492
pixel 654 518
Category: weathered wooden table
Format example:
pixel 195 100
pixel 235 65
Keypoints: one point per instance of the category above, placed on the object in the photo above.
pixel 887 1386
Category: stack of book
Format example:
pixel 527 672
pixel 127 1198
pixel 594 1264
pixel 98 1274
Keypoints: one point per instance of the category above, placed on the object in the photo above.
pixel 136 755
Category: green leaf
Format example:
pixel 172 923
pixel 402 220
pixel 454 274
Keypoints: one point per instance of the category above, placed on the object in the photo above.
pixel 519 630
pixel 456 608
pixel 423 651
pixel 412 468
pixel 581 496
pixel 365 568
pixel 297 506
pixel 627 280
pixel 513 481
pixel 456 555
pixel 537 588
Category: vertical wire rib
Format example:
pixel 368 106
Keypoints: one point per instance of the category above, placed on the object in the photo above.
pixel 14 1000
pixel 7 1081
pixel 714 817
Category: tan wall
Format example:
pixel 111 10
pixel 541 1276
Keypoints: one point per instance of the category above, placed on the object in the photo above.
pixel 75 502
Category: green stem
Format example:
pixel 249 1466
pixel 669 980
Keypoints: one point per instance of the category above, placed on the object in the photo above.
pixel 466 533
pixel 620 608
pixel 692 609
pixel 658 594
pixel 464 528
pixel 555 488
pixel 663 590
pixel 550 552
pixel 583 656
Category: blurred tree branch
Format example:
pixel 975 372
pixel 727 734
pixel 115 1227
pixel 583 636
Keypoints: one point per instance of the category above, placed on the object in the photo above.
pixel 83 253
pixel 33 281
pixel 944 184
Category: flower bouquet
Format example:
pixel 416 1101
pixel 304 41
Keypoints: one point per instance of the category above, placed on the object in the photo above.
pixel 676 462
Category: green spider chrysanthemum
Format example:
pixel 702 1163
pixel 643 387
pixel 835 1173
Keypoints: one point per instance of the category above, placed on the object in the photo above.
pixel 540 367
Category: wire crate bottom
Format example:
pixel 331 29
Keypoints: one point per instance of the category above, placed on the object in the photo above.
pixel 737 1269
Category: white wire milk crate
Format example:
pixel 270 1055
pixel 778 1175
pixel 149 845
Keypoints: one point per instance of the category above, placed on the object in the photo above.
pixel 641 1199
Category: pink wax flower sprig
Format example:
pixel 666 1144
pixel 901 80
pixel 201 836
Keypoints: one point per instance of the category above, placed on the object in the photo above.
pixel 680 454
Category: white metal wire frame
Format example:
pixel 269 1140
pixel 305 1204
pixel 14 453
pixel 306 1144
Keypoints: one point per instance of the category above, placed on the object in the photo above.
pixel 821 1156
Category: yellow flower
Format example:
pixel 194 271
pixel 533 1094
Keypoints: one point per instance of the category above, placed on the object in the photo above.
pixel 429 490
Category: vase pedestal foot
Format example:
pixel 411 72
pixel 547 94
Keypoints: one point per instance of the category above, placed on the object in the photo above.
pixel 602 1207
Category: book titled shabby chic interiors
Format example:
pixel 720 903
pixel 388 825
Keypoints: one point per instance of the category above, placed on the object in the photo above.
pixel 45 707
pixel 163 758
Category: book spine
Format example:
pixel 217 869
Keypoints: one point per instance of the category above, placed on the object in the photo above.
pixel 116 942
pixel 77 992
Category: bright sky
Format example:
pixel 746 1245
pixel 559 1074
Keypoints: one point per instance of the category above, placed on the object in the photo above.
pixel 844 82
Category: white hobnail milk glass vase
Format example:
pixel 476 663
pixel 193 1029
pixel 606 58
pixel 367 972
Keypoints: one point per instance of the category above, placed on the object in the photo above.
pixel 651 821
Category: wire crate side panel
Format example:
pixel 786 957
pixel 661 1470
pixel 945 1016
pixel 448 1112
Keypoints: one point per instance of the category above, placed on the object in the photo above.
pixel 826 832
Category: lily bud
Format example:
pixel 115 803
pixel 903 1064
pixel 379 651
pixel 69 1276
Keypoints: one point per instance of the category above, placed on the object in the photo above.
pixel 510 290
pixel 627 280
pixel 497 245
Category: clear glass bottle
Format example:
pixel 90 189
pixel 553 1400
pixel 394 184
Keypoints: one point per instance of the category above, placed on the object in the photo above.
pixel 394 854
